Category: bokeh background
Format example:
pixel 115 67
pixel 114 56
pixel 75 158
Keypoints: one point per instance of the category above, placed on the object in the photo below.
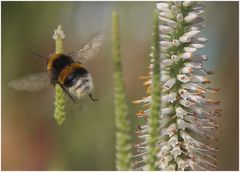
pixel 31 139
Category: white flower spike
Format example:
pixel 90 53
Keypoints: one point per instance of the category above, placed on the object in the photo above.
pixel 188 118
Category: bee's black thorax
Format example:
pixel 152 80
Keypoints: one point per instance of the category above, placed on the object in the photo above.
pixel 56 64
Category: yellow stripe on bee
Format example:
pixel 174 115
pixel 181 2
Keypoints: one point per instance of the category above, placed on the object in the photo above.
pixel 66 71
pixel 52 59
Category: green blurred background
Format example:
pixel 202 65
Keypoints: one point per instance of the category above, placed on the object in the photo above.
pixel 31 139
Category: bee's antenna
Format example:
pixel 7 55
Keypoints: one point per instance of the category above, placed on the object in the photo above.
pixel 40 56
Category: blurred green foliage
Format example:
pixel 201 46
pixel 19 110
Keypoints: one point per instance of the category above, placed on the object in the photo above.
pixel 31 139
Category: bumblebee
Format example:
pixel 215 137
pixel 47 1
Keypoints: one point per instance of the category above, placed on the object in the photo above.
pixel 66 71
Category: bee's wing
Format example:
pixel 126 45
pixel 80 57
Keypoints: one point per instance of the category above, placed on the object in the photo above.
pixel 90 50
pixel 32 82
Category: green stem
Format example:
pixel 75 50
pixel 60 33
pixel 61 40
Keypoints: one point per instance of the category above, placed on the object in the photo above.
pixel 153 121
pixel 123 146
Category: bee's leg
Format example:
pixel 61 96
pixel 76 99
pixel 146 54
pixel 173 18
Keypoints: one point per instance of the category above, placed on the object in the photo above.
pixel 93 99
pixel 69 95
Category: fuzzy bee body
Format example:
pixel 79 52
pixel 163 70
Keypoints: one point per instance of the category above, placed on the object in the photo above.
pixel 82 86
pixel 66 71
pixel 71 75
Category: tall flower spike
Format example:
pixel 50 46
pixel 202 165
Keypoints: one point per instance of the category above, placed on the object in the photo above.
pixel 189 115
pixel 149 134
pixel 123 146
pixel 189 120
pixel 59 112
pixel 153 121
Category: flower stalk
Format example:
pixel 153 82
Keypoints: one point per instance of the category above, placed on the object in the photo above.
pixel 188 118
pixel 59 111
pixel 153 120
pixel 148 147
pixel 123 146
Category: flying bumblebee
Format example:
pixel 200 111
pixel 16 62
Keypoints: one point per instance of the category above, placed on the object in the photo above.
pixel 66 71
